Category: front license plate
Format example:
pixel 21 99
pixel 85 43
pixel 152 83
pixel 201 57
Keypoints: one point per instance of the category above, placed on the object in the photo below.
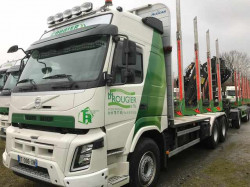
pixel 27 161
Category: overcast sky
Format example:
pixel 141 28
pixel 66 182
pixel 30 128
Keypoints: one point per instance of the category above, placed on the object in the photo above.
pixel 23 22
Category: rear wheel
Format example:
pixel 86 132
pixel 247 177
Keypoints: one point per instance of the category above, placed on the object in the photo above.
pixel 213 140
pixel 145 164
pixel 246 118
pixel 237 122
pixel 223 129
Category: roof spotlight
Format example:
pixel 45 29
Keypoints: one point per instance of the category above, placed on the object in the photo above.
pixel 87 7
pixel 51 20
pixel 67 14
pixel 76 10
pixel 108 3
pixel 59 17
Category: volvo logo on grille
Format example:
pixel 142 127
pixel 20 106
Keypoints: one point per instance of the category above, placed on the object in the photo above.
pixel 38 103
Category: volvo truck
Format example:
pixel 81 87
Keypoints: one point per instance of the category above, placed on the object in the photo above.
pixel 5 96
pixel 94 104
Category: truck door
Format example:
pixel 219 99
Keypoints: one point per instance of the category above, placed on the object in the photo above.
pixel 123 98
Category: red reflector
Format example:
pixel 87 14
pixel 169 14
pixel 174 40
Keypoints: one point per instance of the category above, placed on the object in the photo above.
pixel 179 113
pixel 197 111
pixel 209 110
pixel 218 108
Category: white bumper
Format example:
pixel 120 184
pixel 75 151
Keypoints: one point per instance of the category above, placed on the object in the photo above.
pixel 55 175
pixel 54 167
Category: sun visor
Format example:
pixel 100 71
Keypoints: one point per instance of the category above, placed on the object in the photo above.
pixel 100 29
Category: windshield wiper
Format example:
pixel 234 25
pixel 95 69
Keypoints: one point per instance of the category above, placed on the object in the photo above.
pixel 31 81
pixel 8 89
pixel 59 76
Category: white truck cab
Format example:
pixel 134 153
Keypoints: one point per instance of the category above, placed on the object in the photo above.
pixel 91 105
pixel 5 96
pixel 230 94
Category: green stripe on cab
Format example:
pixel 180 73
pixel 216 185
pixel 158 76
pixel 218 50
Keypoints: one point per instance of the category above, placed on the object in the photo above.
pixel 4 110
pixel 44 120
pixel 154 90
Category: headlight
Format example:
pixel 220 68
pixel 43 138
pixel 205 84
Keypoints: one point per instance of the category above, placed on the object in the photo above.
pixel 82 156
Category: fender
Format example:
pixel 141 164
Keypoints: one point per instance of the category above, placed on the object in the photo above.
pixel 132 140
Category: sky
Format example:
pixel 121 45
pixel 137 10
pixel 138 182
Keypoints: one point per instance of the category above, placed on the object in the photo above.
pixel 24 21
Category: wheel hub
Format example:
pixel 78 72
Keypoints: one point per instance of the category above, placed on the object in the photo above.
pixel 147 169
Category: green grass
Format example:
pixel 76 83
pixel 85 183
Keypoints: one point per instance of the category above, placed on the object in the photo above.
pixel 224 171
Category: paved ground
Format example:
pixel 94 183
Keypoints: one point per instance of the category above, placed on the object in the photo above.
pixel 226 166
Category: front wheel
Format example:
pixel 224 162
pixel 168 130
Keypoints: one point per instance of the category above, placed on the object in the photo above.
pixel 145 164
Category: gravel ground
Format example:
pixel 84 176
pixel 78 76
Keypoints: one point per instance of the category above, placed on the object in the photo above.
pixel 226 166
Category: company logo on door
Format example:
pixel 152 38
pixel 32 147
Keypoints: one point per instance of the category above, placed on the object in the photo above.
pixel 128 100
pixel 85 116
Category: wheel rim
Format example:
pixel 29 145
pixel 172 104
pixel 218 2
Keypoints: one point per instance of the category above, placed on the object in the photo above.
pixel 215 133
pixel 147 169
pixel 223 129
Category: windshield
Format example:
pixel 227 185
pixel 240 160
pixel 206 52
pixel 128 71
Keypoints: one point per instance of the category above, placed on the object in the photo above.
pixel 2 79
pixel 78 60
pixel 12 80
pixel 231 92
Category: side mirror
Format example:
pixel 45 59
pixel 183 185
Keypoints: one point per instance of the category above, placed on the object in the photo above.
pixel 46 70
pixel 129 50
pixel 13 49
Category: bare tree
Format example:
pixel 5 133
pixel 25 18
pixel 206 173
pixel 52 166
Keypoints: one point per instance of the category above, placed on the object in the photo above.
pixel 236 60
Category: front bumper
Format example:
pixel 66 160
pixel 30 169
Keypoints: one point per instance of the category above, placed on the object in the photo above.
pixel 49 172
pixel 54 153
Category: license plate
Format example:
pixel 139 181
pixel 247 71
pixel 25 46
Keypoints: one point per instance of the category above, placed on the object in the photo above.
pixel 27 161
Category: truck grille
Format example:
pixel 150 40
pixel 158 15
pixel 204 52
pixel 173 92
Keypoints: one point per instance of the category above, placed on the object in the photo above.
pixel 36 173
pixel 34 148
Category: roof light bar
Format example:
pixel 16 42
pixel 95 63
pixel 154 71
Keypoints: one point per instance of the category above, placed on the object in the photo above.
pixel 76 10
pixel 51 20
pixel 67 14
pixel 87 7
pixel 72 13
pixel 59 17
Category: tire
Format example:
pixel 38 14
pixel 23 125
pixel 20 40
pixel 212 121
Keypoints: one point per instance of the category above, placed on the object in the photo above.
pixel 144 164
pixel 247 116
pixel 223 129
pixel 213 140
pixel 237 122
